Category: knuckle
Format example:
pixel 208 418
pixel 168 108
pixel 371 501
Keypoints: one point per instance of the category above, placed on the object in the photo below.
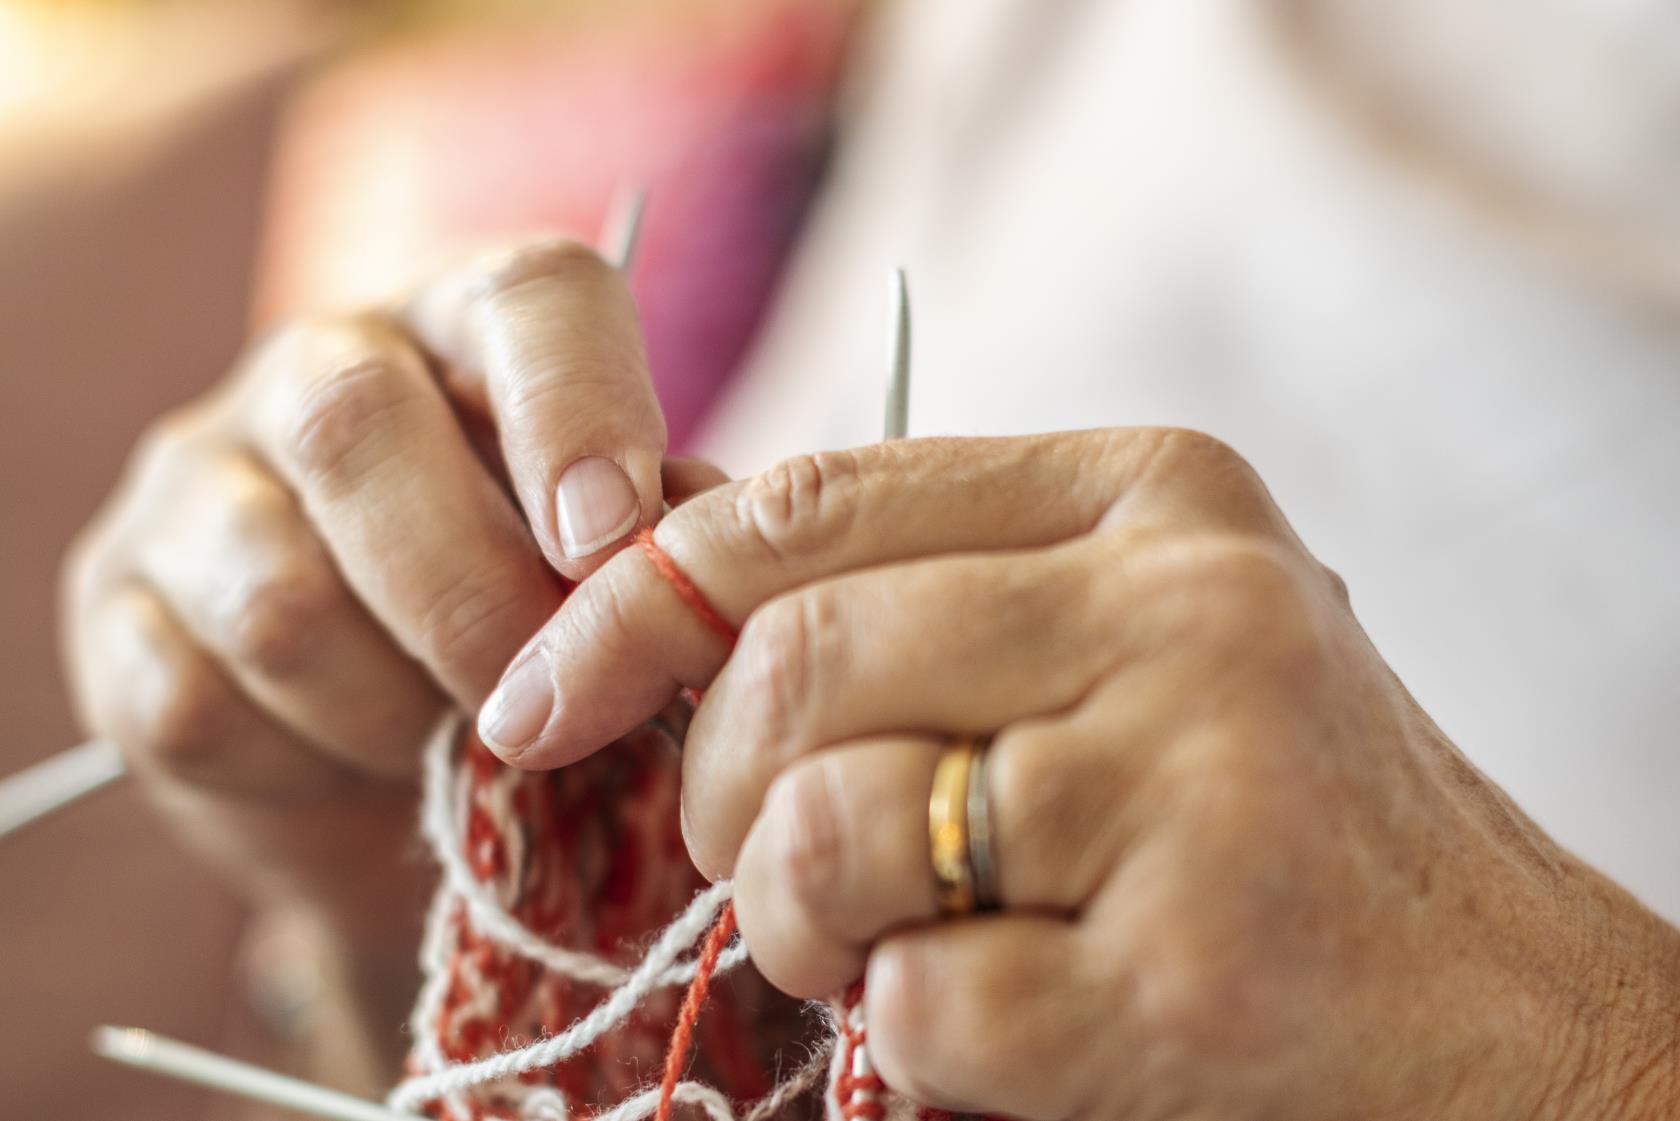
pixel 1278 600
pixel 1190 448
pixel 273 619
pixel 1258 586
pixel 799 506
pixel 165 450
pixel 904 1025
pixel 1251 603
pixel 164 439
pixel 1257 571
pixel 1051 832
pixel 476 621
pixel 177 728
pixel 806 843
pixel 780 650
pixel 608 601
pixel 1026 787
pixel 930 1037
pixel 343 410
pixel 1338 585
pixel 545 258
pixel 251 507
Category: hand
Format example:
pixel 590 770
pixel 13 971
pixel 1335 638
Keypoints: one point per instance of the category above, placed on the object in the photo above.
pixel 358 528
pixel 1243 875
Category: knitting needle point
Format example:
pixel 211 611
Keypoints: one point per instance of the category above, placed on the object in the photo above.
pixel 56 781
pixel 898 356
pixel 622 228
pixel 61 779
pixel 160 1055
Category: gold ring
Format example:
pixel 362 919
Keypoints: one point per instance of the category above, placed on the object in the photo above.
pixel 948 839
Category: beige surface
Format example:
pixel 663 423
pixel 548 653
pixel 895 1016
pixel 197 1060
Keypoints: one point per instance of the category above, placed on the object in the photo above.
pixel 127 215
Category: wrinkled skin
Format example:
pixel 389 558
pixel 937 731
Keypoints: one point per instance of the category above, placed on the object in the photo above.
pixel 1244 875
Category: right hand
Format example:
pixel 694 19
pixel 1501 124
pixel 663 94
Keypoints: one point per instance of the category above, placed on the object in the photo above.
pixel 299 572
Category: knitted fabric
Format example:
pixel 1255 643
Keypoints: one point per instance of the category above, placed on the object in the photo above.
pixel 534 1006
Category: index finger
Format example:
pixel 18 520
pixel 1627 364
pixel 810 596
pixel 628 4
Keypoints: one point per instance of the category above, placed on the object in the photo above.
pixel 544 340
pixel 626 641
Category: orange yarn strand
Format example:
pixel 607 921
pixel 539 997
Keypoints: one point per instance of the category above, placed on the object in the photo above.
pixel 682 1039
pixel 686 589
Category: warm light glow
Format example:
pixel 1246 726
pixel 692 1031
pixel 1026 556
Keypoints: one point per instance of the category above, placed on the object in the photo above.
pixel 23 69
pixel 52 55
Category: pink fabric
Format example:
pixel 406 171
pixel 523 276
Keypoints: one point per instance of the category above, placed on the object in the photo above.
pixel 722 113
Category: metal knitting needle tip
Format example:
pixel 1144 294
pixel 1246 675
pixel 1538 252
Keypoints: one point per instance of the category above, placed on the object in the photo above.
pixel 160 1055
pixel 622 228
pixel 898 355
pixel 55 782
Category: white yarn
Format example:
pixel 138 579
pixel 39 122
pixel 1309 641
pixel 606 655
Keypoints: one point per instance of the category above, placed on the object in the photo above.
pixel 643 1104
pixel 546 1104
pixel 648 976
pixel 715 1104
pixel 442 1079
pixel 437 825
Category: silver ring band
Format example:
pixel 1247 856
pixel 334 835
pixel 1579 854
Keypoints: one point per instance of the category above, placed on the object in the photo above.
pixel 981 858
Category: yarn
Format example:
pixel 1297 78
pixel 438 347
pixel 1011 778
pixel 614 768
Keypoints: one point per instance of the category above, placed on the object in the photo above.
pixel 682 1039
pixel 685 588
pixel 528 1010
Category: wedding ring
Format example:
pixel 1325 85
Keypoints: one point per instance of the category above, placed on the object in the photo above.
pixel 963 869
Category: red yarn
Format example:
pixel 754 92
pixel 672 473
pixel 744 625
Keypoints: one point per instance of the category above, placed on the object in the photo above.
pixel 682 1039
pixel 685 588
pixel 857 1092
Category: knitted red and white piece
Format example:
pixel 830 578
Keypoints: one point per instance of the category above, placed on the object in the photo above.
pixel 533 1008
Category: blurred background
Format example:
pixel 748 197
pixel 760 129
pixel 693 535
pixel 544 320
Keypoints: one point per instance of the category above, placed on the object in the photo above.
pixel 1421 263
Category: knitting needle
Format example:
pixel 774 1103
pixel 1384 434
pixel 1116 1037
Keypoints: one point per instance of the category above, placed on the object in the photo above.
pixel 161 1055
pixel 61 779
pixel 898 355
pixel 622 227
pixel 56 781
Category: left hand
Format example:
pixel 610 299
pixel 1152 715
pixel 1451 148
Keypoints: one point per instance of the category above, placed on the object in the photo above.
pixel 1243 875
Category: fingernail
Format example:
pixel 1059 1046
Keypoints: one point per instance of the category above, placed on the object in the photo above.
pixel 597 505
pixel 519 707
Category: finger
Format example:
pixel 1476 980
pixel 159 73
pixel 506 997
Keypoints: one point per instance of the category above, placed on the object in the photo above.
pixel 837 829
pixel 837 855
pixel 994 1015
pixel 955 643
pixel 624 643
pixel 545 339
pixel 141 682
pixel 350 418
pixel 258 591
